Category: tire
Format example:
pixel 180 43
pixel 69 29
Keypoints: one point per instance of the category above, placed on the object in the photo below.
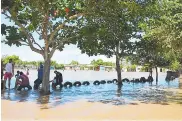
pixel 29 87
pixel 137 80
pixel 142 79
pixel 66 84
pixel 109 82
pixel 96 82
pixel 55 85
pixel 86 83
pixel 114 80
pixel 125 79
pixel 102 82
pixel 77 84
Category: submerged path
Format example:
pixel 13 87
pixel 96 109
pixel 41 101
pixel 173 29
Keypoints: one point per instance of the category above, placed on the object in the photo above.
pixel 83 110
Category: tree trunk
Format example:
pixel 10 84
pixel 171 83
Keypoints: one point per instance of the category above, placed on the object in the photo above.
pixel 156 74
pixel 118 69
pixel 46 75
pixel 150 71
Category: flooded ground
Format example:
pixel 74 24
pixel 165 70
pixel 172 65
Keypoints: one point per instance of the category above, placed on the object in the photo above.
pixel 105 93
pixel 135 101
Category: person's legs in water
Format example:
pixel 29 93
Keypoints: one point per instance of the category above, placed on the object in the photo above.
pixel 16 83
pixel 6 76
pixel 9 82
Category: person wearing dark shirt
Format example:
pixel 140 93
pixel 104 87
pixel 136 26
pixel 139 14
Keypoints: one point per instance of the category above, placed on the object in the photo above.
pixel 24 81
pixel 58 79
pixel 38 81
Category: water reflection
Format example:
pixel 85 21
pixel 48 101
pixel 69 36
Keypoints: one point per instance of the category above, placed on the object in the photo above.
pixel 119 92
pixel 180 85
pixel 44 101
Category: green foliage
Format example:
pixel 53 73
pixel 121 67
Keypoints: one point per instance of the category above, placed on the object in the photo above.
pixel 112 24
pixel 175 65
pixel 99 62
pixel 150 51
pixel 74 62
pixel 59 66
pixel 167 27
pixel 53 21
pixel 14 58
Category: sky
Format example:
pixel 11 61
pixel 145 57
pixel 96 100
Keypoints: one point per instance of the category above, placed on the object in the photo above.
pixel 69 53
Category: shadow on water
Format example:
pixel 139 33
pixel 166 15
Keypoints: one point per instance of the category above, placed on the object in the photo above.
pixel 106 93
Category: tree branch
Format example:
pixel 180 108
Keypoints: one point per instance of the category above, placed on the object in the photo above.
pixel 24 44
pixel 60 44
pixel 62 25
pixel 29 36
pixel 56 47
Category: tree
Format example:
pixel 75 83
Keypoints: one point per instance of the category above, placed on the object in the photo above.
pixel 151 52
pixel 14 58
pixel 111 28
pixel 59 66
pixel 175 65
pixel 55 22
pixel 74 62
pixel 167 26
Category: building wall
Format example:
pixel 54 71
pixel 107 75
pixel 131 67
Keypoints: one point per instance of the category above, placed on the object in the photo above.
pixel 102 68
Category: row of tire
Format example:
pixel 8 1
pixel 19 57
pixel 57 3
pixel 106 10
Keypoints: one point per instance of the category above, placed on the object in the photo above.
pixel 141 80
pixel 86 83
pixel 77 83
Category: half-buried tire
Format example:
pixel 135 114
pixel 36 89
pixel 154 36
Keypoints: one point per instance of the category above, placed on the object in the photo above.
pixel 137 80
pixel 96 82
pixel 102 82
pixel 86 83
pixel 125 79
pixel 77 84
pixel 109 81
pixel 142 79
pixel 114 80
pixel 68 84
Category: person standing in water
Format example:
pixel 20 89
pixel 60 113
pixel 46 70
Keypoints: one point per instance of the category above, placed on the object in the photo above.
pixel 58 79
pixel 9 73
pixel 17 78
pixel 38 81
pixel 2 74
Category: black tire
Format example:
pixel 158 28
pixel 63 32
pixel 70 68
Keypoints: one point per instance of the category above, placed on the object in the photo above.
pixel 137 80
pixel 55 85
pixel 96 82
pixel 125 79
pixel 86 83
pixel 77 84
pixel 114 80
pixel 29 87
pixel 102 82
pixel 142 79
pixel 109 81
pixel 66 84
